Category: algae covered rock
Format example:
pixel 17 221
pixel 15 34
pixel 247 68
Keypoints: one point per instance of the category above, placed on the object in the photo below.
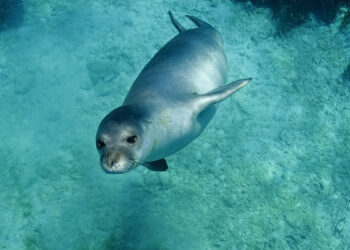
pixel 346 74
pixel 11 14
pixel 291 13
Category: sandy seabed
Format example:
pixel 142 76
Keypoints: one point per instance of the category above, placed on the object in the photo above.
pixel 271 171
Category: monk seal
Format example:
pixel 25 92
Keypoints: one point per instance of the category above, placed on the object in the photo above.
pixel 170 103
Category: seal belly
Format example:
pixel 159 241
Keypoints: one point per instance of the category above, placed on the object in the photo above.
pixel 192 62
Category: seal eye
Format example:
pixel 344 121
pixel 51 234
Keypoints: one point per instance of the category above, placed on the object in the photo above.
pixel 100 144
pixel 132 139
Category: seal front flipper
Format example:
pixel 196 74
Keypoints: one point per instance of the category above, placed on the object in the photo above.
pixel 159 165
pixel 218 94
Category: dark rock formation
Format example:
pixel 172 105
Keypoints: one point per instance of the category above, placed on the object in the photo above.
pixel 290 13
pixel 346 74
pixel 11 14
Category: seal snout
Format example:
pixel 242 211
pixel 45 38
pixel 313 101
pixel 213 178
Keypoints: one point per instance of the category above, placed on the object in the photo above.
pixel 112 159
pixel 115 162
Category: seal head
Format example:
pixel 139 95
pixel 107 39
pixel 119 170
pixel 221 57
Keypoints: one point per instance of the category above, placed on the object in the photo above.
pixel 119 140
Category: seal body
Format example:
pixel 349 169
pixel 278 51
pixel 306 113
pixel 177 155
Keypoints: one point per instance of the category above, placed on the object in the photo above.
pixel 191 63
pixel 170 103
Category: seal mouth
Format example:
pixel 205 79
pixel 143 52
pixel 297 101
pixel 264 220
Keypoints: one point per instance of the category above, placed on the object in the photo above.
pixel 116 165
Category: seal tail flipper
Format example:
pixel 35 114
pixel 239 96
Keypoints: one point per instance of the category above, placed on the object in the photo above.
pixel 159 165
pixel 218 94
pixel 197 21
pixel 177 25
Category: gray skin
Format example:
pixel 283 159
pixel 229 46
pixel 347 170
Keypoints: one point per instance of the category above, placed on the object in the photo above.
pixel 170 103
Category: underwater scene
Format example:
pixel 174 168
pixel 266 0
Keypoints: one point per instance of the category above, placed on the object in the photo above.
pixel 270 171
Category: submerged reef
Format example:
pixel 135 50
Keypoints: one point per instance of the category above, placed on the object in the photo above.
pixel 346 74
pixel 291 13
pixel 345 18
pixel 11 14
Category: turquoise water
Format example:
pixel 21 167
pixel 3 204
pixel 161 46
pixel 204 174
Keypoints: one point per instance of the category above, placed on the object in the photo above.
pixel 271 171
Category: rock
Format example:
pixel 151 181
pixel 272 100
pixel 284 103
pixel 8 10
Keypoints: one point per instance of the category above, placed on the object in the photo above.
pixel 102 73
pixel 3 61
pixel 11 14
pixel 346 74
pixel 164 179
pixel 22 86
pixel 136 179
pixel 290 14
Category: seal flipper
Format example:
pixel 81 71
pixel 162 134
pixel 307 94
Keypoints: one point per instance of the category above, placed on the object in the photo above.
pixel 197 21
pixel 177 25
pixel 159 165
pixel 218 94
